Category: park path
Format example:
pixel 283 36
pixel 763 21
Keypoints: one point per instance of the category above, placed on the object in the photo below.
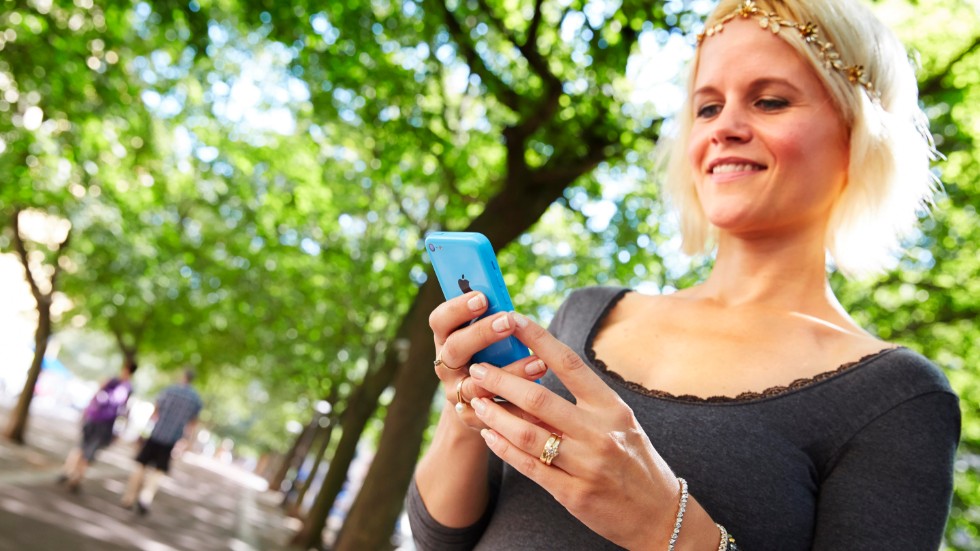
pixel 203 505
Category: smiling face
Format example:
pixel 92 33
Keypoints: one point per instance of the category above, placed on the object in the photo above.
pixel 768 149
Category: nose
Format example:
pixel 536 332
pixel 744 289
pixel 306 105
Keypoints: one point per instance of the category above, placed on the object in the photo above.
pixel 731 126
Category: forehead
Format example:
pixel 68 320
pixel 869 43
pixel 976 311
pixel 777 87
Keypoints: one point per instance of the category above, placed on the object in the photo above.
pixel 744 47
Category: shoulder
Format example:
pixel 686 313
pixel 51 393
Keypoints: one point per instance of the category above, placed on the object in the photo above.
pixel 904 373
pixel 193 394
pixel 582 309
pixel 589 300
pixel 888 386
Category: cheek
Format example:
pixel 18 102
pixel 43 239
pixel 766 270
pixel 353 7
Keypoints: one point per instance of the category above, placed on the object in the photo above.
pixel 794 146
pixel 695 150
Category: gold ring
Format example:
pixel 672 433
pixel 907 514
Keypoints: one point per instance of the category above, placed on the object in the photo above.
pixel 439 362
pixel 459 392
pixel 550 451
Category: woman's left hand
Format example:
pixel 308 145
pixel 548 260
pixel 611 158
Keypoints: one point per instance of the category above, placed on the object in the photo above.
pixel 607 473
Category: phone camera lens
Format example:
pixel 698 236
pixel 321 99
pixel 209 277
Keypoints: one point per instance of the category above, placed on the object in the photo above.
pixel 432 247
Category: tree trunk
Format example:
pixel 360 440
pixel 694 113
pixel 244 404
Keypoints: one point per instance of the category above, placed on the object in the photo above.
pixel 289 460
pixel 361 406
pixel 295 483
pixel 333 398
pixel 17 425
pixel 321 451
pixel 355 417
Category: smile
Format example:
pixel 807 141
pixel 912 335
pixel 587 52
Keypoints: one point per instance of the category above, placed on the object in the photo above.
pixel 735 167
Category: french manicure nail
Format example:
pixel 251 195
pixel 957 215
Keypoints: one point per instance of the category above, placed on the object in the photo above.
pixel 501 324
pixel 476 303
pixel 479 406
pixel 488 436
pixel 534 368
pixel 520 320
pixel 477 371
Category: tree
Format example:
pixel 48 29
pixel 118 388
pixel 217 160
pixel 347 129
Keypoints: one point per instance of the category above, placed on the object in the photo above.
pixel 17 425
pixel 528 188
pixel 274 243
pixel 75 117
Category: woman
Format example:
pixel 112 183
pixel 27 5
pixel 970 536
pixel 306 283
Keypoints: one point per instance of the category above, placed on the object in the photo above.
pixel 98 422
pixel 751 407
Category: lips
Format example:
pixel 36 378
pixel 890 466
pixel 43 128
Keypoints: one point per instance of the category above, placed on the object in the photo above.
pixel 724 166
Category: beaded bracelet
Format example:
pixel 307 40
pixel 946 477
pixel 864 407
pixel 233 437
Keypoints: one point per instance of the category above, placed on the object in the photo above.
pixel 680 515
pixel 727 542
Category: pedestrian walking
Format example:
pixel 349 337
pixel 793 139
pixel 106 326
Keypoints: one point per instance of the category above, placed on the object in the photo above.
pixel 98 423
pixel 175 415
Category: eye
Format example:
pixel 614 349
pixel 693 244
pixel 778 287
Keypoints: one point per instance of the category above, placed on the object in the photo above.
pixel 707 111
pixel 771 104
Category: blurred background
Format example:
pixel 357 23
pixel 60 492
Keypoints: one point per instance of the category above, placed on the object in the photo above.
pixel 242 188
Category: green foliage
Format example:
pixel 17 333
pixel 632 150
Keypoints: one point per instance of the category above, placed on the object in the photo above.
pixel 249 181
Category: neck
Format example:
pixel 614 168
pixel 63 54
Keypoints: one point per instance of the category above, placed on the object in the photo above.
pixel 785 273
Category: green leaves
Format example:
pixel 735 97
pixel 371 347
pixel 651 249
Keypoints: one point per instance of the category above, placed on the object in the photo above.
pixel 249 181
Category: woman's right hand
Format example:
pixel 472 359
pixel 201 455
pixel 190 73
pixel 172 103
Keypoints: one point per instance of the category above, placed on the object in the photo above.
pixel 457 341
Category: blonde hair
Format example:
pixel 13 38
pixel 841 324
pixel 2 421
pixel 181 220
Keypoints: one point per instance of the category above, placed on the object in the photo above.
pixel 889 181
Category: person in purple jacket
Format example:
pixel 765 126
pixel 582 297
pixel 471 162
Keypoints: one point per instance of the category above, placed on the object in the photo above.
pixel 98 421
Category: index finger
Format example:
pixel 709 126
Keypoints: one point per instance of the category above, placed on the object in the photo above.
pixel 564 362
pixel 450 315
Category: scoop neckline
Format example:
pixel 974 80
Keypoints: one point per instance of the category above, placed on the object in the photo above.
pixel 774 391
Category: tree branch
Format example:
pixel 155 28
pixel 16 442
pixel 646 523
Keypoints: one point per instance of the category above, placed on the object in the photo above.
pixel 546 106
pixel 497 87
pixel 57 259
pixel 532 29
pixel 21 249
pixel 933 84
pixel 527 47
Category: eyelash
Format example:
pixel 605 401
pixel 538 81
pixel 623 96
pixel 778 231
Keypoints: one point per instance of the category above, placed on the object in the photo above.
pixel 766 104
pixel 772 103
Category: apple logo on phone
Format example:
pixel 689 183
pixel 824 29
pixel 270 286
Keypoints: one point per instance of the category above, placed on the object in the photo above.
pixel 464 284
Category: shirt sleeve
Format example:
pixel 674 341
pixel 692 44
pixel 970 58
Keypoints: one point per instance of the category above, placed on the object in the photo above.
pixel 430 534
pixel 890 485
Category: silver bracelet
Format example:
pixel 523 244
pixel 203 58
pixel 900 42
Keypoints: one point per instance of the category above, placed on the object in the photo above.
pixel 723 545
pixel 680 515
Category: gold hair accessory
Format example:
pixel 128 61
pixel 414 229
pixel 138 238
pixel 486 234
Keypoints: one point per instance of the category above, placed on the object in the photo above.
pixel 810 34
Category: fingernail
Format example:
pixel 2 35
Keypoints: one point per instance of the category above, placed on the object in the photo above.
pixel 477 371
pixel 520 320
pixel 501 324
pixel 479 405
pixel 488 436
pixel 534 368
pixel 477 303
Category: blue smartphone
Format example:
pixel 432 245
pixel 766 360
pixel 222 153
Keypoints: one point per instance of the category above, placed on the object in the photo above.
pixel 464 262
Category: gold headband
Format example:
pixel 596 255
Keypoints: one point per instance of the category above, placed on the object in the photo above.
pixel 810 34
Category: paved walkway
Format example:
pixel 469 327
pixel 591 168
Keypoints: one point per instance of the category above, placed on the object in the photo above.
pixel 203 505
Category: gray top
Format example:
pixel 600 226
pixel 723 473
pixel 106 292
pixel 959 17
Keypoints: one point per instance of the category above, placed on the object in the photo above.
pixel 176 406
pixel 857 458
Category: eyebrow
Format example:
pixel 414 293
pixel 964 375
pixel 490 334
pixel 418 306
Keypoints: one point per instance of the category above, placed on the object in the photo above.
pixel 754 86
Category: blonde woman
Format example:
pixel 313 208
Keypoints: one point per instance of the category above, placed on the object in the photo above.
pixel 750 410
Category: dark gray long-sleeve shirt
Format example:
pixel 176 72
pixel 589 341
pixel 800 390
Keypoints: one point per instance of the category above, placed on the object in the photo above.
pixel 858 458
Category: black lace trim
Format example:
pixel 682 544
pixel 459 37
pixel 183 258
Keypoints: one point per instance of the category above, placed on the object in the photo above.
pixel 743 397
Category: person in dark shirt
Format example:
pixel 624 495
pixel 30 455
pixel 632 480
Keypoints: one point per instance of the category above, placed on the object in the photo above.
pixel 747 410
pixel 175 414
pixel 98 422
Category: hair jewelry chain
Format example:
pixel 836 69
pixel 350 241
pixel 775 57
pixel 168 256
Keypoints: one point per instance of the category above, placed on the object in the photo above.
pixel 810 34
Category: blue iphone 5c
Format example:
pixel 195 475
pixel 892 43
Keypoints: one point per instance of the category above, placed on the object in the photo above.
pixel 464 262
